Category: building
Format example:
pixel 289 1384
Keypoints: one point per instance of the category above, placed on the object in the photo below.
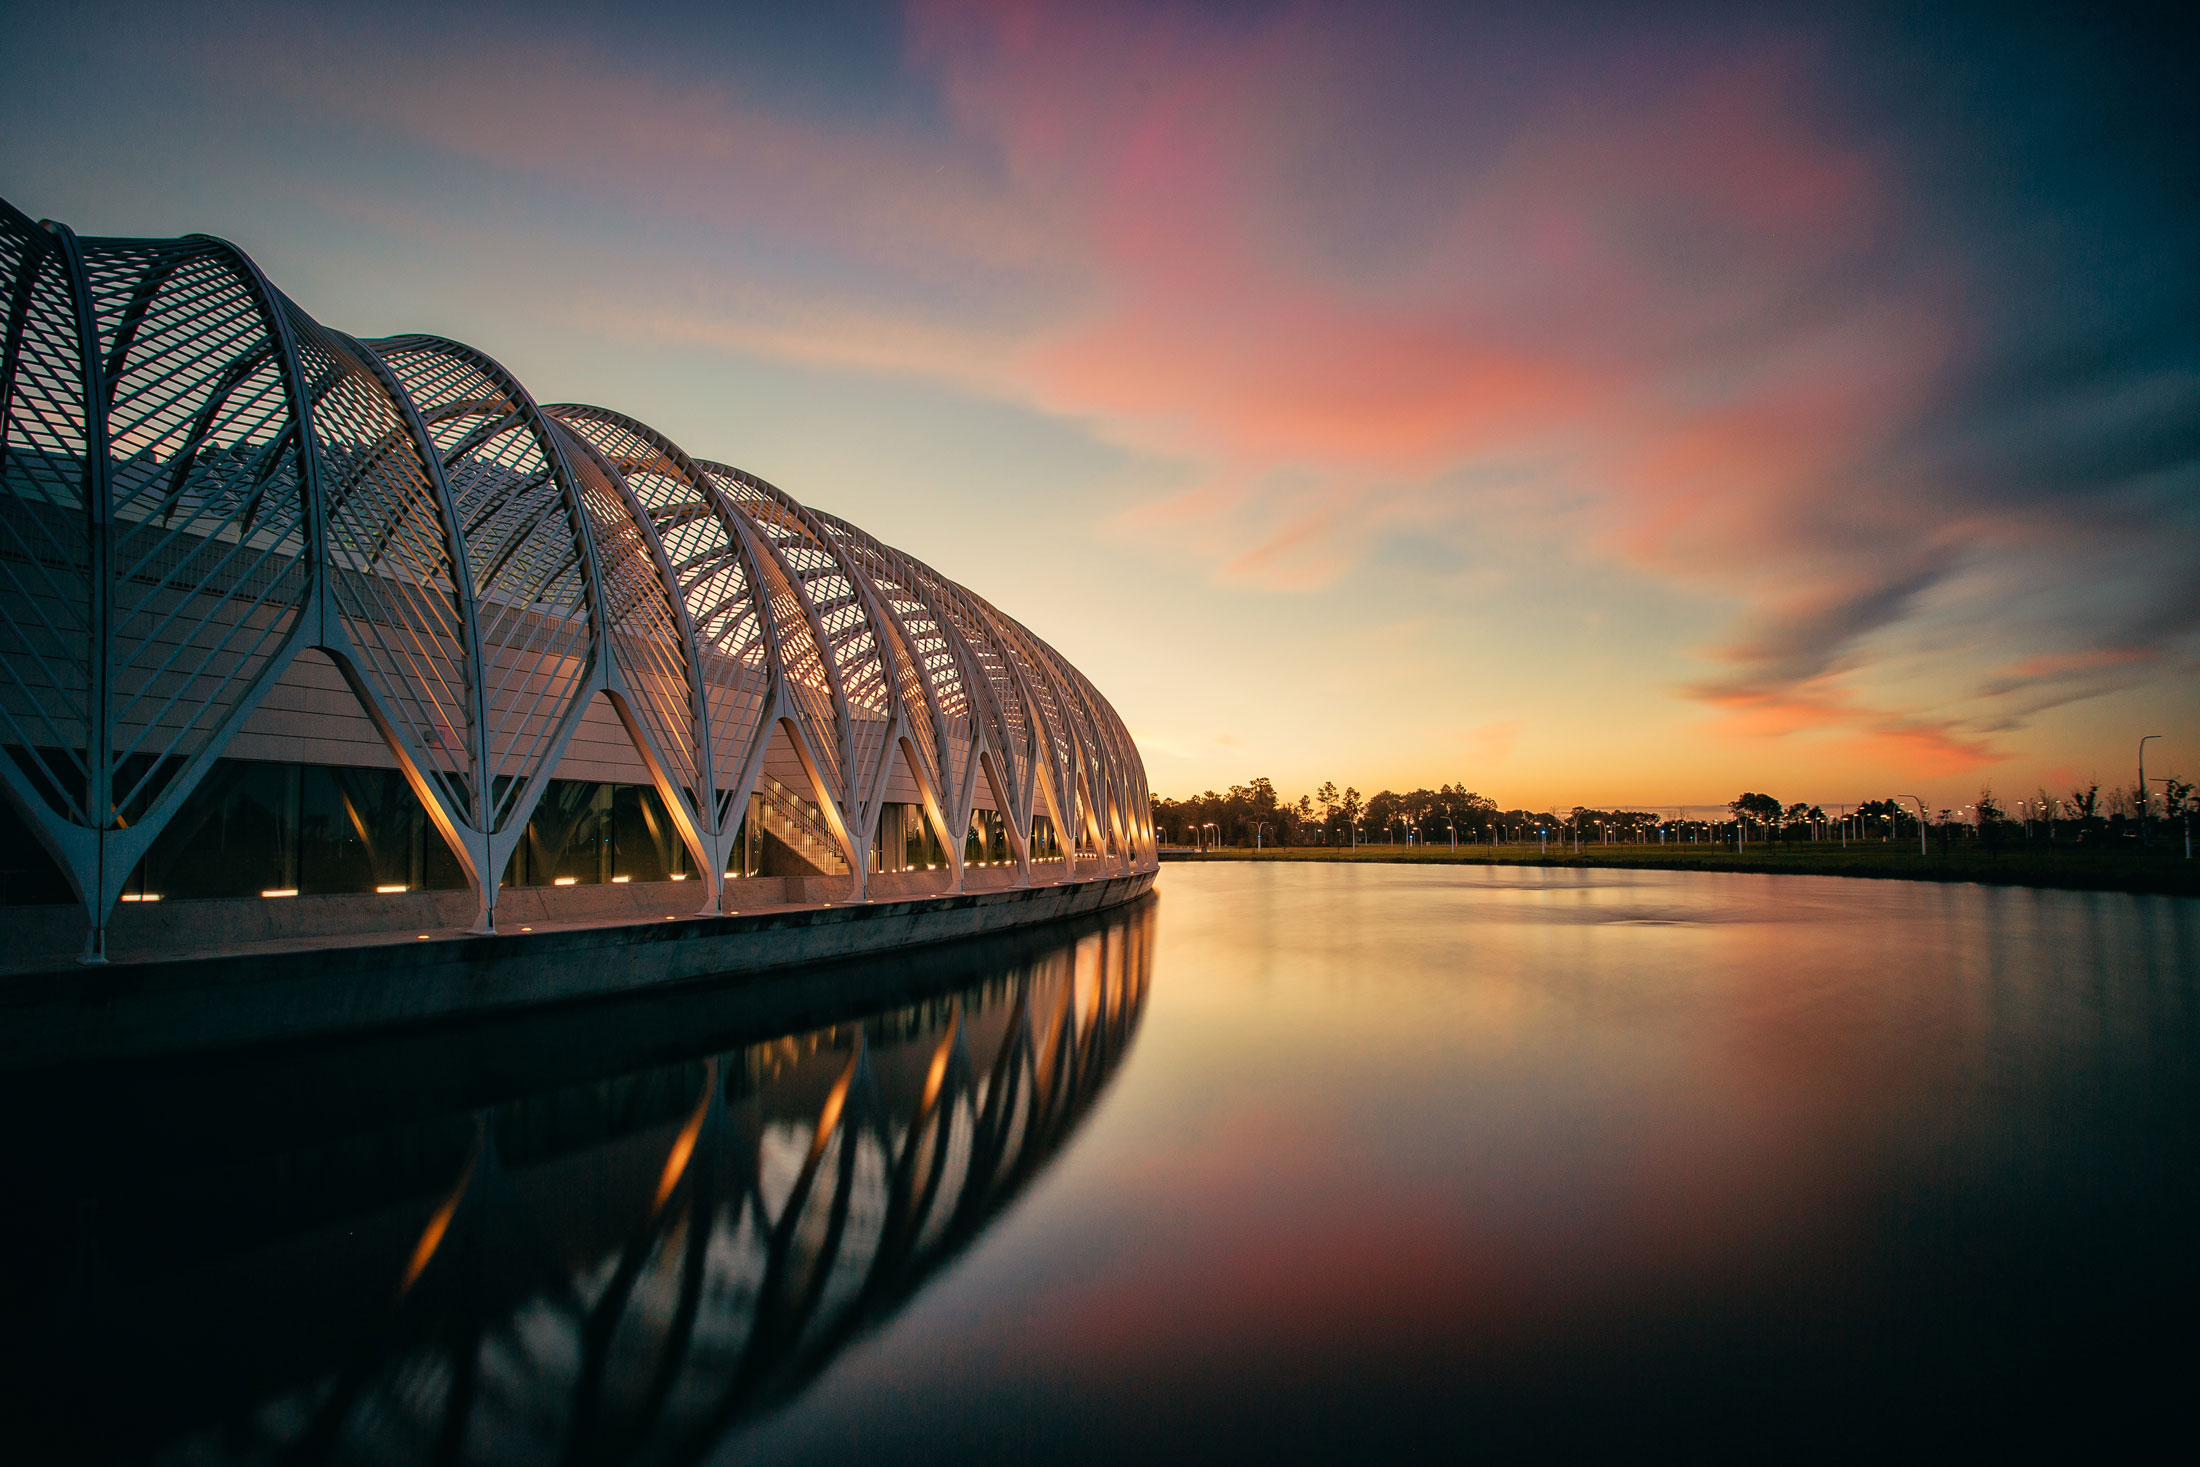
pixel 286 612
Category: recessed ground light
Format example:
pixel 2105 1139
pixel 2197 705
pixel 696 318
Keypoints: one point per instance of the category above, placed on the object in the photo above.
pixel 388 890
pixel 149 896
pixel 276 891
pixel 679 876
pixel 565 881
pixel 527 929
pixel 620 880
pixel 423 937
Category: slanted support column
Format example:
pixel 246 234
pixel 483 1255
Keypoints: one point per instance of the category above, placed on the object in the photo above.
pixel 1019 840
pixel 830 810
pixel 1019 845
pixel 953 846
pixel 92 876
pixel 859 871
pixel 714 874
pixel 1065 833
pixel 934 816
pixel 956 865
pixel 485 909
pixel 502 843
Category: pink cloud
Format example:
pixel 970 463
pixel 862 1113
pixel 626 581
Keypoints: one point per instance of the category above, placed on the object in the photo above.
pixel 1667 293
pixel 1621 286
pixel 1922 749
pixel 1872 738
pixel 2062 664
pixel 1631 292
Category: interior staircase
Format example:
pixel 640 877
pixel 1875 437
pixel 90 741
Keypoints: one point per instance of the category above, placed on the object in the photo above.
pixel 800 826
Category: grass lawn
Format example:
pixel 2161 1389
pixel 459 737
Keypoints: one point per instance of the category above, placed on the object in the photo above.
pixel 2162 869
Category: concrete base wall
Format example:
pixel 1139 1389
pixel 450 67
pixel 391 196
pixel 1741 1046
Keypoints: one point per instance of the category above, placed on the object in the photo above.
pixel 69 1013
pixel 41 937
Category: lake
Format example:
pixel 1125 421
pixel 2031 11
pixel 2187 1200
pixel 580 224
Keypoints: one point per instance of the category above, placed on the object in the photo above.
pixel 1310 1162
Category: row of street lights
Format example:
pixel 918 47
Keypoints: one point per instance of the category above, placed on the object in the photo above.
pixel 1260 829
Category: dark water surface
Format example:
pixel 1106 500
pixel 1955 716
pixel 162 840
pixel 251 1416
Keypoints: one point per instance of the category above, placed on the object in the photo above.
pixel 1297 1163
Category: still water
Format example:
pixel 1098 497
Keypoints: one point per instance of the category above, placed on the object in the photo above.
pixel 1297 1163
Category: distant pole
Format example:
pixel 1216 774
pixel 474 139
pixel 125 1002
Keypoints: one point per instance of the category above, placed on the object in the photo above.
pixel 1920 820
pixel 2143 787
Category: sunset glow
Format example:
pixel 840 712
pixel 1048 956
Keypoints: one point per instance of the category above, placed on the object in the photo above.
pixel 1581 412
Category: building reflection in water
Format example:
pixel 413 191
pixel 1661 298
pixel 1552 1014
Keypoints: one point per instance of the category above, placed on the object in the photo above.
pixel 625 1269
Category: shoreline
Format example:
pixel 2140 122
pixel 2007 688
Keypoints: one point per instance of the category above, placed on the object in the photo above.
pixel 2153 874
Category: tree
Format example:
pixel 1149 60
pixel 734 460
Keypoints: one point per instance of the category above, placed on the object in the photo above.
pixel 1992 819
pixel 1381 816
pixel 1890 810
pixel 1761 809
pixel 2176 796
pixel 2085 804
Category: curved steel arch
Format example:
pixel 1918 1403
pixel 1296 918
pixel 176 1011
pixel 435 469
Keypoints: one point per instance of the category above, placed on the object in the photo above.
pixel 717 592
pixel 940 682
pixel 201 481
pixel 163 532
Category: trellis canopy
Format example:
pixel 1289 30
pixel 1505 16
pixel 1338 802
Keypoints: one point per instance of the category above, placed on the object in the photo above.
pixel 201 482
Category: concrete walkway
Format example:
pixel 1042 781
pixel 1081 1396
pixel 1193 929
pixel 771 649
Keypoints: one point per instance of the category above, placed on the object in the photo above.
pixel 291 987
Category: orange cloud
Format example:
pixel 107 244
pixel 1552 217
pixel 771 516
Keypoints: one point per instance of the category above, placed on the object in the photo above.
pixel 1542 315
pixel 1924 750
pixel 1877 739
pixel 1630 294
pixel 2061 664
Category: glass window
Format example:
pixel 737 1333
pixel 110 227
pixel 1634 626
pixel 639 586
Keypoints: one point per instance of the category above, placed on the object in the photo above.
pixel 28 876
pixel 252 827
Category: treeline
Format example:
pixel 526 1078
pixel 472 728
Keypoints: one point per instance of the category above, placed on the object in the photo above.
pixel 1255 814
pixel 2085 816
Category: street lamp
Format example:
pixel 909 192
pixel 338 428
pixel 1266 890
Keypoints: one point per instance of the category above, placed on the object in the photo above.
pixel 2143 788
pixel 1920 820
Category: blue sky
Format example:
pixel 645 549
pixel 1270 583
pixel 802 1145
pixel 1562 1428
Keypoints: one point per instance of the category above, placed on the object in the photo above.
pixel 1585 407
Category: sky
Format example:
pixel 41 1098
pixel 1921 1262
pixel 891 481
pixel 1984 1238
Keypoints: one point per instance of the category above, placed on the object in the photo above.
pixel 1578 404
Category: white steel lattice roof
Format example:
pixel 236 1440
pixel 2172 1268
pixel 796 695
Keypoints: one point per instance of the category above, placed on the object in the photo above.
pixel 200 481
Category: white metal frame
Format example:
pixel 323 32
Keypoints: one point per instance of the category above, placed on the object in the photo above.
pixel 198 482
